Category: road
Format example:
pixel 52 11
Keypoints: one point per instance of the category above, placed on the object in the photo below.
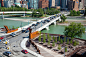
pixel 13 41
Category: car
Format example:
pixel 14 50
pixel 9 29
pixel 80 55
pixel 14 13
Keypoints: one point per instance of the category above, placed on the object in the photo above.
pixel 7 53
pixel 13 34
pixel 1 38
pixel 24 51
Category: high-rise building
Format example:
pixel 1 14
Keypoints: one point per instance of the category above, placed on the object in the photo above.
pixel 57 2
pixel 84 3
pixel 81 4
pixel 51 3
pixel 32 4
pixel 43 3
pixel 63 4
pixel 24 4
pixel 2 3
pixel 73 5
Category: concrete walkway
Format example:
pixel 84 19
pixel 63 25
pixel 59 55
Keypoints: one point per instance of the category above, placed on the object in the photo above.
pixel 49 51
pixel 23 45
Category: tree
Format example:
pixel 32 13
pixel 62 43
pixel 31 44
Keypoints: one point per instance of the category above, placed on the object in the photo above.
pixel 67 41
pixel 61 41
pixel 74 13
pixel 65 49
pixel 78 13
pixel 74 30
pixel 56 39
pixel 59 38
pixel 59 47
pixel 64 38
pixel 63 18
pixel 48 42
pixel 71 13
pixel 48 36
pixel 53 44
pixel 74 44
pixel 44 38
pixel 39 38
pixel 71 41
pixel 53 38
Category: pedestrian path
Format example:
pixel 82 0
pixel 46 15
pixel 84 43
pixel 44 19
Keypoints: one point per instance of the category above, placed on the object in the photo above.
pixel 23 45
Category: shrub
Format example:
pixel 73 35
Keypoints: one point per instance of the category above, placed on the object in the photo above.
pixel 59 47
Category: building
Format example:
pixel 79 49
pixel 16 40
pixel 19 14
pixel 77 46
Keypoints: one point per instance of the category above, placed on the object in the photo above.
pixel 2 3
pixel 32 4
pixel 57 2
pixel 64 4
pixel 81 4
pixel 84 3
pixel 51 3
pixel 24 4
pixel 43 3
pixel 73 5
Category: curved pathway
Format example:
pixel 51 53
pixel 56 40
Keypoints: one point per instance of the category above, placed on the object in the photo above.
pixel 23 45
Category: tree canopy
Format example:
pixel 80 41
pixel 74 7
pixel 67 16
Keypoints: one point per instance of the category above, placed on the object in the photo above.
pixel 74 30
pixel 63 18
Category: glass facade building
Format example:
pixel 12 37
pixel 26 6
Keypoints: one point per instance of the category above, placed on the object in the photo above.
pixel 33 4
pixel 58 2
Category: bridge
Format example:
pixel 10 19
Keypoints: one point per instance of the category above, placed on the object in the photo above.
pixel 23 12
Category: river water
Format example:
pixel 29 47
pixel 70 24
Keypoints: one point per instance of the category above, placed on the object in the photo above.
pixel 53 29
pixel 59 29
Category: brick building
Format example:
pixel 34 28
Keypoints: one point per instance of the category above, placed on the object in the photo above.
pixel 43 3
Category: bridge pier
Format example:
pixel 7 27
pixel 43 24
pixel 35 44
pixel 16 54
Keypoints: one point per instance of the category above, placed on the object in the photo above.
pixel 24 15
pixel 47 27
pixel 55 23
pixel 2 16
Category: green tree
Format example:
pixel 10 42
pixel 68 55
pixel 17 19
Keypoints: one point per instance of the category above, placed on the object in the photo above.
pixel 67 41
pixel 53 44
pixel 56 39
pixel 74 44
pixel 63 18
pixel 48 42
pixel 74 30
pixel 59 38
pixel 71 13
pixel 44 38
pixel 71 41
pixel 59 47
pixel 61 41
pixel 48 36
pixel 65 49
pixel 53 38
pixel 39 38
pixel 64 38
pixel 74 13
pixel 13 27
pixel 78 13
